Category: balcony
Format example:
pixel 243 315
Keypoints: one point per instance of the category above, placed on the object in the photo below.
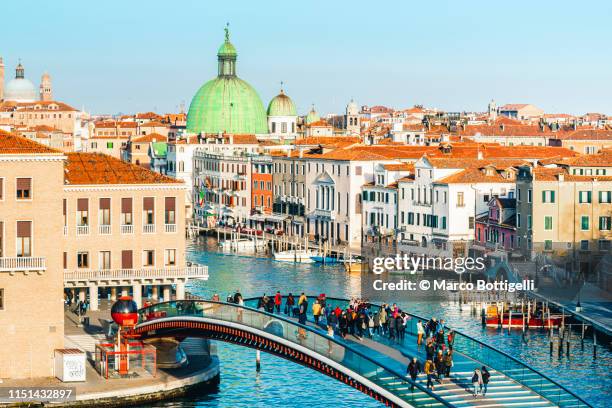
pixel 104 229
pixel 127 229
pixel 148 228
pixel 82 229
pixel 25 264
pixel 168 272
pixel 170 227
pixel 326 214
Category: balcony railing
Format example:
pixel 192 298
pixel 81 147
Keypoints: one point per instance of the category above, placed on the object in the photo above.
pixel 170 227
pixel 148 228
pixel 104 229
pixel 127 229
pixel 323 213
pixel 23 264
pixel 82 229
pixel 199 272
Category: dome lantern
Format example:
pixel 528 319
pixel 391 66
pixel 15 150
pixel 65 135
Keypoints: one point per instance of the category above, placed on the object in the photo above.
pixel 227 56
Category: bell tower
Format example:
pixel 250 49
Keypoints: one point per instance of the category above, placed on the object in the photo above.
pixel 46 90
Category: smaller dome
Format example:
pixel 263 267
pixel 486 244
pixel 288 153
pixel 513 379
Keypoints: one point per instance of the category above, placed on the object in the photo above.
pixel 20 90
pixel 227 49
pixel 312 116
pixel 281 105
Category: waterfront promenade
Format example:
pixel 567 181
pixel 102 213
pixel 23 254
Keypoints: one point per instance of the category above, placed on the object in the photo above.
pixel 202 370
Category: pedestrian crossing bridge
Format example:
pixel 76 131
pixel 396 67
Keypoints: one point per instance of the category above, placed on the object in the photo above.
pixel 374 366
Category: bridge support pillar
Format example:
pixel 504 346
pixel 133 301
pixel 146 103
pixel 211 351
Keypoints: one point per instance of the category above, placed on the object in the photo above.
pixel 137 294
pixel 113 295
pixel 180 290
pixel 167 289
pixel 93 296
pixel 154 292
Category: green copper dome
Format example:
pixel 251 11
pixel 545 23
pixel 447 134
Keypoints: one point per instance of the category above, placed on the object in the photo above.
pixel 281 105
pixel 227 103
pixel 312 116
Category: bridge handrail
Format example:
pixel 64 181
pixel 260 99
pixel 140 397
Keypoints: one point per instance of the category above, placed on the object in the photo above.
pixel 486 346
pixel 312 330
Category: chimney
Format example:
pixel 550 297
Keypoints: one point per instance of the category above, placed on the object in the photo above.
pixel 502 127
pixel 480 155
pixel 561 177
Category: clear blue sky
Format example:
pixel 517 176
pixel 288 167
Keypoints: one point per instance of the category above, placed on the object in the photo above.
pixel 126 56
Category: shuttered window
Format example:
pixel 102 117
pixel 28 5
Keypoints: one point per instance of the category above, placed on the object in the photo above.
pixel 24 238
pixel 126 211
pixel 24 188
pixel 170 213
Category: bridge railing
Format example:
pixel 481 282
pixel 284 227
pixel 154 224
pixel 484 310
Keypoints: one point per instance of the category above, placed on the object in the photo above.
pixel 306 336
pixel 489 356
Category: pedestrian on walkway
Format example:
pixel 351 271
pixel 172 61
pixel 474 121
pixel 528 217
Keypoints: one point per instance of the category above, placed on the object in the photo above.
pixel 477 382
pixel 486 376
pixel 383 320
pixel 420 334
pixel 289 303
pixel 302 298
pixel 316 311
pixel 343 324
pixel 429 370
pixel 451 339
pixel 278 300
pixel 303 312
pixel 448 362
pixel 414 368
pixel 440 366
pixel 392 327
pixel 430 350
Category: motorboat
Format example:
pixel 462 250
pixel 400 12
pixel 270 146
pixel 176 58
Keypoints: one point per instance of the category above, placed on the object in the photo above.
pixel 243 245
pixel 295 255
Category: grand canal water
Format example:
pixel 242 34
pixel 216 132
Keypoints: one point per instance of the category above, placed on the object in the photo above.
pixel 281 383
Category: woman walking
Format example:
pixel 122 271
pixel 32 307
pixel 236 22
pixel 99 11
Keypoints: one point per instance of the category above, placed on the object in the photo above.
pixel 477 382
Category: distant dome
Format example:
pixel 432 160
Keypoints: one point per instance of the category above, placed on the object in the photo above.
pixel 227 103
pixel 20 89
pixel 281 105
pixel 312 116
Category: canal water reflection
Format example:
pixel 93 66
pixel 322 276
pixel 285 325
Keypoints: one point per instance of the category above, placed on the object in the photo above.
pixel 287 384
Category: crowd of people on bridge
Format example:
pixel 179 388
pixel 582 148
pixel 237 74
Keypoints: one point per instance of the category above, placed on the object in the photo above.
pixel 359 318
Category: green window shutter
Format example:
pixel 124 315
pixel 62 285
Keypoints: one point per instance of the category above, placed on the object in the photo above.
pixel 589 196
pixel 544 196
pixel 552 196
pixel 365 196
pixel 443 222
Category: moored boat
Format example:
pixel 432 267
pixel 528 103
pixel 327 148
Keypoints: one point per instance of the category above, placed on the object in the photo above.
pixel 294 255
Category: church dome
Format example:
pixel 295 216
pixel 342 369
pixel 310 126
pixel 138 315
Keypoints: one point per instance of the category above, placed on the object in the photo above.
pixel 281 105
pixel 227 103
pixel 312 116
pixel 20 89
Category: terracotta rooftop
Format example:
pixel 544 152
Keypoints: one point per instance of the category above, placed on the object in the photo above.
pixel 601 159
pixel 11 143
pixel 399 167
pixel 153 137
pixel 474 175
pixel 153 123
pixel 98 168
pixel 44 105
